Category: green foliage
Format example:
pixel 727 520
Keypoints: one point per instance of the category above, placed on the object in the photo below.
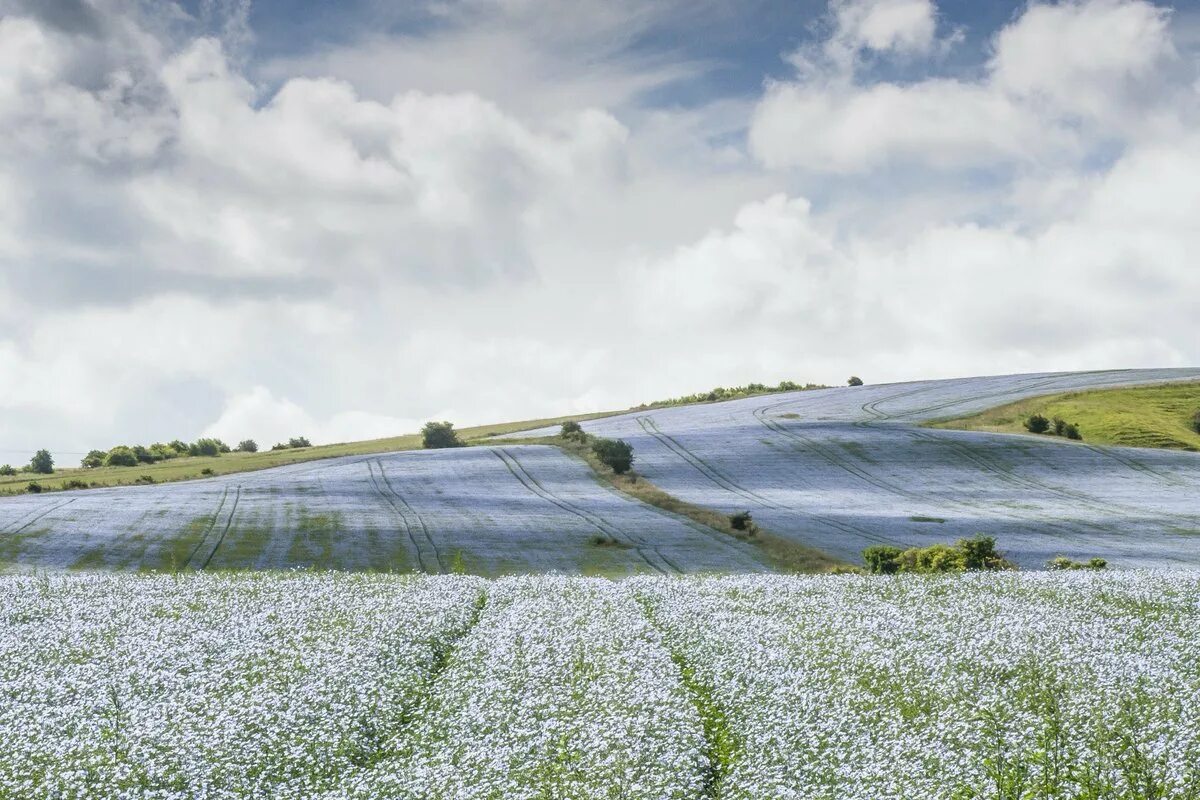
pixel 179 447
pixel 1067 429
pixel 573 430
pixel 207 447
pixel 743 522
pixel 1063 563
pixel 7 469
pixel 965 555
pixel 1195 422
pixel 615 454
pixel 207 471
pixel 120 456
pixel 145 479
pixel 297 442
pixel 162 452
pixel 439 435
pixel 74 483
pixel 247 446
pixel 94 458
pixel 1036 423
pixel 730 393
pixel 854 381
pixel 42 463
pixel 142 454
pixel 882 559
pixel 34 488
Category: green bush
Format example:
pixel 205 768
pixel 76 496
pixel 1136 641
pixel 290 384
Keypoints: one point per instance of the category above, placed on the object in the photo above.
pixel 247 446
pixel 179 447
pixel 120 456
pixel 143 455
pixel 854 381
pixel 439 435
pixel 34 488
pixel 1062 563
pixel 207 447
pixel 572 430
pixel 299 441
pixel 1037 424
pixel 7 469
pixel 743 522
pixel 1071 431
pixel 616 454
pixel 42 463
pixel 145 479
pixel 94 458
pixel 163 452
pixel 207 471
pixel 979 553
pixel 934 558
pixel 74 483
pixel 882 559
pixel 1196 422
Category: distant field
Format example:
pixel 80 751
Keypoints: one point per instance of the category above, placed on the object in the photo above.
pixel 1143 416
pixel 653 688
pixel 189 467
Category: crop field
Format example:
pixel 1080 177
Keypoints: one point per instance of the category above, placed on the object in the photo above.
pixel 333 685
pixel 831 469
pixel 841 469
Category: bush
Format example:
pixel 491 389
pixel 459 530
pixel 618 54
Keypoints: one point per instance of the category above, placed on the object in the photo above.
pixel 854 381
pixel 299 441
pixel 142 454
pixel 744 523
pixel 34 488
pixel 1062 563
pixel 94 458
pixel 144 479
pixel 207 447
pixel 179 447
pixel 572 430
pixel 615 454
pixel 882 559
pixel 207 471
pixel 1037 424
pixel 979 553
pixel 163 452
pixel 42 463
pixel 280 446
pixel 1071 431
pixel 7 469
pixel 74 483
pixel 932 559
pixel 247 446
pixel 1196 422
pixel 439 435
pixel 120 456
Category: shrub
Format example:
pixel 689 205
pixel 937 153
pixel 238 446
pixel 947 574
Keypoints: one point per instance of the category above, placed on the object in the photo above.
pixel 207 471
pixel 882 559
pixel 979 553
pixel 74 483
pixel 247 446
pixel 142 454
pixel 94 458
pixel 1037 424
pixel 179 447
pixel 142 479
pixel 1196 421
pixel 743 521
pixel 42 463
pixel 299 441
pixel 438 435
pixel 120 456
pixel 1062 563
pixel 572 430
pixel 34 488
pixel 932 559
pixel 615 454
pixel 7 469
pixel 1071 431
pixel 162 452
pixel 854 381
pixel 1060 426
pixel 280 446
pixel 206 447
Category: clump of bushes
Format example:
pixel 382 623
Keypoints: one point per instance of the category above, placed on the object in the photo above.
pixel 207 471
pixel 439 435
pixel 7 469
pixel 966 555
pixel 743 524
pixel 294 443
pixel 34 488
pixel 1064 563
pixel 247 446
pixel 573 431
pixel 854 381
pixel 1036 423
pixel 131 455
pixel 730 393
pixel 615 454
pixel 74 483
pixel 144 479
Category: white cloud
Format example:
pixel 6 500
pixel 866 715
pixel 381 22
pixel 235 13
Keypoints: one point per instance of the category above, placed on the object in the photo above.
pixel 261 416
pixel 904 26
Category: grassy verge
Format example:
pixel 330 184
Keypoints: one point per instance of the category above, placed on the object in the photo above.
pixel 783 553
pixel 189 467
pixel 1140 416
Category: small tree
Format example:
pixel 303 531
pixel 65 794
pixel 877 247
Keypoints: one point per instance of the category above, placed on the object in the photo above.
pixel 8 469
pixel 247 446
pixel 143 455
pixel 162 452
pixel 882 559
pixel 42 463
pixel 1071 431
pixel 439 435
pixel 743 521
pixel 1037 424
pixel 94 458
pixel 572 430
pixel 205 447
pixel 179 447
pixel 854 381
pixel 120 456
pixel 979 553
pixel 299 441
pixel 617 455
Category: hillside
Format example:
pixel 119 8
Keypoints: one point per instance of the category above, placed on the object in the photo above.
pixel 1140 416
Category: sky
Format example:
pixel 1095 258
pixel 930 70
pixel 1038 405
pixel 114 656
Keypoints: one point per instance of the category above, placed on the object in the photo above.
pixel 340 220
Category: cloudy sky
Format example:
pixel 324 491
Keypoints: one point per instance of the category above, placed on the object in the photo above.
pixel 341 219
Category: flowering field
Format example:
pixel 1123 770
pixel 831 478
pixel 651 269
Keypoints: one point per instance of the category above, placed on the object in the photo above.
pixel 1032 685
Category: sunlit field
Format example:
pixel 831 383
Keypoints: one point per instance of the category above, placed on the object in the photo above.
pixel 1035 685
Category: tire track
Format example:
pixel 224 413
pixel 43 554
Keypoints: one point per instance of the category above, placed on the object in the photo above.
pixel 421 561
pixel 437 555
pixel 29 521
pixel 237 496
pixel 207 531
pixel 534 486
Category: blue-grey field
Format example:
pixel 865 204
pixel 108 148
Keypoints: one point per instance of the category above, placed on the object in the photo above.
pixel 836 469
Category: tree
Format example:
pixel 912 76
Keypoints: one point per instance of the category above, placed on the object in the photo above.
pixel 247 446
pixel 854 381
pixel 179 447
pixel 743 521
pixel 120 456
pixel 299 441
pixel 882 559
pixel 94 458
pixel 42 463
pixel 205 447
pixel 143 455
pixel 615 454
pixel 1037 424
pixel 979 553
pixel 8 469
pixel 572 430
pixel 438 435
pixel 162 452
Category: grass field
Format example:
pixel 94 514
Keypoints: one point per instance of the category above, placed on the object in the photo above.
pixel 189 467
pixel 339 686
pixel 1144 416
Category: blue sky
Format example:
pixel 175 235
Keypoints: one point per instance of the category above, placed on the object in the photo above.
pixel 266 219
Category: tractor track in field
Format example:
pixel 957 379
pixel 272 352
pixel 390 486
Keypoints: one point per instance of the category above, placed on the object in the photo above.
pixel 437 554
pixel 640 546
pixel 194 560
pixel 391 496
pixel 25 521
pixel 724 482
